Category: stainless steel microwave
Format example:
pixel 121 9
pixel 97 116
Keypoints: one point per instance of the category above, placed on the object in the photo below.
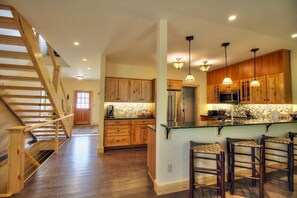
pixel 231 97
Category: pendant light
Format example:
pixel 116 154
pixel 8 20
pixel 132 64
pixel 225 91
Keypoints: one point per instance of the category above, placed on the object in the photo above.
pixel 255 83
pixel 190 78
pixel 178 64
pixel 227 80
pixel 204 67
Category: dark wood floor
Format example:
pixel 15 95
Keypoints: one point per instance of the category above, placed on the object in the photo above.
pixel 79 172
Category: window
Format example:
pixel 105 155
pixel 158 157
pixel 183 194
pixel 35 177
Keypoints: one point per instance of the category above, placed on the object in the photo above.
pixel 82 100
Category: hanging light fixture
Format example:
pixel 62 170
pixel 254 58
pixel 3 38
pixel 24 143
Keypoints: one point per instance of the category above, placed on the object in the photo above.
pixel 190 78
pixel 178 64
pixel 227 80
pixel 255 83
pixel 204 67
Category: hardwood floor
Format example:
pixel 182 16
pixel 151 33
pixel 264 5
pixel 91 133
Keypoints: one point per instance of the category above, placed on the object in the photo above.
pixel 79 172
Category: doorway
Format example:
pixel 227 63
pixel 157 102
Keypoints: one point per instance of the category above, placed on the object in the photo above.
pixel 189 104
pixel 82 107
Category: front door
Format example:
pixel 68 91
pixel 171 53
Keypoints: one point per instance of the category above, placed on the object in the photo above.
pixel 82 108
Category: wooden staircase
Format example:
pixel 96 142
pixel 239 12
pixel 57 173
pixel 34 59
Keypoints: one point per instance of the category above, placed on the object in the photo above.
pixel 27 88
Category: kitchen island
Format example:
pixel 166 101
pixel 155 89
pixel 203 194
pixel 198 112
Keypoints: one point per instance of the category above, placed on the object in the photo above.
pixel 173 173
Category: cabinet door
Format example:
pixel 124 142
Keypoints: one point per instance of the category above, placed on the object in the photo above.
pixel 275 89
pixel 144 134
pixel 210 94
pixel 216 93
pixel 136 90
pixel 137 134
pixel 147 91
pixel 245 91
pixel 259 93
pixel 111 89
pixel 124 90
pixel 174 84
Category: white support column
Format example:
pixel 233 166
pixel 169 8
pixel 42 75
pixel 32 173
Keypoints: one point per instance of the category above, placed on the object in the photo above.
pixel 100 147
pixel 161 99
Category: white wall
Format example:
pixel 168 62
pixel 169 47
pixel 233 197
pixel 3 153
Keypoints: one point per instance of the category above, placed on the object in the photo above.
pixel 72 85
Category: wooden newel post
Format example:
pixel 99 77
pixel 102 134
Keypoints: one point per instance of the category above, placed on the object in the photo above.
pixel 16 159
pixel 57 138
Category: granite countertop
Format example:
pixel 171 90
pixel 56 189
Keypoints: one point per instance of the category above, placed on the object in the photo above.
pixel 220 123
pixel 128 118
pixel 152 127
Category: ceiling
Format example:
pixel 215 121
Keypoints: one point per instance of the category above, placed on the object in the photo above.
pixel 125 31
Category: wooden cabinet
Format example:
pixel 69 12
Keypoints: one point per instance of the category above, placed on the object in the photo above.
pixel 174 85
pixel 275 89
pixel 117 90
pixel 245 91
pixel 151 153
pixel 232 87
pixel 139 130
pixel 213 94
pixel 141 91
pixel 117 133
pixel 259 93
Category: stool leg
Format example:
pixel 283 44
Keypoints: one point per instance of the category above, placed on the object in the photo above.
pixel 218 164
pixel 291 167
pixel 261 182
pixel 222 171
pixel 264 161
pixel 232 163
pixel 228 161
pixel 253 166
pixel 191 184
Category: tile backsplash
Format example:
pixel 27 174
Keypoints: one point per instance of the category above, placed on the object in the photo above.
pixel 129 110
pixel 259 111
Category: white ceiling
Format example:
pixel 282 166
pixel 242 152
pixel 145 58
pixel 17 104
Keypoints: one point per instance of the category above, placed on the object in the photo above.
pixel 126 30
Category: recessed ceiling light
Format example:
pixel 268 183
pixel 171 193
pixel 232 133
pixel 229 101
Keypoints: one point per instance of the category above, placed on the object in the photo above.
pixel 76 43
pixel 80 77
pixel 89 68
pixel 294 36
pixel 84 59
pixel 231 18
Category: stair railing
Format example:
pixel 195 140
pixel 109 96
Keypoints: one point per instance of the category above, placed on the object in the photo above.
pixel 18 154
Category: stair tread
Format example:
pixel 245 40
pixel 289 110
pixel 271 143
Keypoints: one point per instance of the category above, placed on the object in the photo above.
pixel 21 88
pixel 14 55
pixel 11 40
pixel 18 78
pixel 17 67
pixel 33 110
pixel 37 116
pixel 29 104
pixel 7 23
pixel 22 96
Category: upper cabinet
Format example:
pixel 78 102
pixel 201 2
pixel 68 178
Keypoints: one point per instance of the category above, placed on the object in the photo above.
pixel 175 85
pixel 273 73
pixel 117 90
pixel 128 90
pixel 141 91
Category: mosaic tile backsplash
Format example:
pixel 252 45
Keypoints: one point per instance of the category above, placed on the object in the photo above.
pixel 259 111
pixel 130 110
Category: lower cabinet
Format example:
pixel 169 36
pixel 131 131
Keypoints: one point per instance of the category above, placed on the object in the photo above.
pixel 126 132
pixel 151 153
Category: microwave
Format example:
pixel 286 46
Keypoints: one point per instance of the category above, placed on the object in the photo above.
pixel 231 97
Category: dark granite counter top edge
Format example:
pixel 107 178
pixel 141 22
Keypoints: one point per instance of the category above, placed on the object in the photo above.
pixel 128 118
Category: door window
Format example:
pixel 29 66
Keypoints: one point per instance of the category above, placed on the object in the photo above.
pixel 82 100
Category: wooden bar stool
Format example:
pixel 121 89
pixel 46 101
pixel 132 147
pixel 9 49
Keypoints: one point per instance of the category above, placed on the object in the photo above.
pixel 293 135
pixel 232 162
pixel 205 151
pixel 289 155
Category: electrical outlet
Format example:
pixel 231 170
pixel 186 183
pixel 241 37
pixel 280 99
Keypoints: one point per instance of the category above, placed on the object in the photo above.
pixel 169 168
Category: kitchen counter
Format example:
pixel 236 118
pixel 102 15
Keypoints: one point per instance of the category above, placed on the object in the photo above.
pixel 128 118
pixel 152 127
pixel 220 124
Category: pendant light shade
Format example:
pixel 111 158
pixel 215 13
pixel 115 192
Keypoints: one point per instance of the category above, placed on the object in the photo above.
pixel 227 80
pixel 255 82
pixel 178 64
pixel 204 67
pixel 190 78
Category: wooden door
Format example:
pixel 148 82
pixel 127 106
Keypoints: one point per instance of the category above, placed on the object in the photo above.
pixel 259 93
pixel 111 89
pixel 146 91
pixel 136 90
pixel 275 88
pixel 124 90
pixel 82 109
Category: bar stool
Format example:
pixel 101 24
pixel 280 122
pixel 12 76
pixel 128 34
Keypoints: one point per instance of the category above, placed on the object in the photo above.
pixel 293 135
pixel 232 162
pixel 289 155
pixel 205 151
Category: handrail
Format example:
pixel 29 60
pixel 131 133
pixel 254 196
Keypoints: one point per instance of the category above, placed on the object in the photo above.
pixel 46 123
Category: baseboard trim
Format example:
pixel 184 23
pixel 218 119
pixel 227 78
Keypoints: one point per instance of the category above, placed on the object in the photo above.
pixel 100 150
pixel 167 188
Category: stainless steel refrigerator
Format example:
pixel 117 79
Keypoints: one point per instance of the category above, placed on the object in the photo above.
pixel 174 110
